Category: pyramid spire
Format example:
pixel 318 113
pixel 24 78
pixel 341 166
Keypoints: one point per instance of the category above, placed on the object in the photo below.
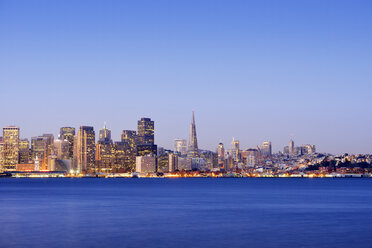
pixel 193 142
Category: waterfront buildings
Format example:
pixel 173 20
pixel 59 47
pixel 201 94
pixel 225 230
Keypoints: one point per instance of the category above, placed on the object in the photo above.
pixel 124 158
pixel 62 148
pixel 85 149
pixel 68 133
pixel 193 151
pixel 10 148
pixel 105 154
pixel 146 140
pixel 146 164
pixel 180 146
pixel 24 151
pixel 145 130
pixel 291 148
pixel 235 150
pixel 266 149
pixel 130 138
pixel 173 162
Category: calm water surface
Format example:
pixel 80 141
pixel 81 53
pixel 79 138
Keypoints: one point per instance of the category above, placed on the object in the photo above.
pixel 197 212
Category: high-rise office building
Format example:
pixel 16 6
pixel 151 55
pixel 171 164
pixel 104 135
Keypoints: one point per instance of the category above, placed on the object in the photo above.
pixel 180 146
pixel 130 138
pixel 68 133
pixel 146 137
pixel 220 151
pixel 235 150
pixel 124 161
pixel 145 131
pixel 105 154
pixel 173 162
pixel 266 149
pixel 10 148
pixel 62 148
pixel 104 134
pixel 146 164
pixel 85 154
pixel 192 151
pixel 24 151
pixel 39 147
pixel 42 147
pixel 291 148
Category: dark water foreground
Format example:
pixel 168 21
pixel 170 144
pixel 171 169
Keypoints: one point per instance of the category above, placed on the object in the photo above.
pixel 194 212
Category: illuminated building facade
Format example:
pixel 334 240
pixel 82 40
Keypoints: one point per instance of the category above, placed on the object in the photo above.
pixel 39 147
pixel 130 138
pixel 291 147
pixel 104 134
pixel 145 131
pixel 146 164
pixel 85 155
pixel 192 151
pixel 211 159
pixel 235 150
pixel 68 133
pixel 10 148
pixel 62 148
pixel 146 137
pixel 163 160
pixel 172 162
pixel 123 158
pixel 180 146
pixel 105 154
pixel 266 149
pixel 24 151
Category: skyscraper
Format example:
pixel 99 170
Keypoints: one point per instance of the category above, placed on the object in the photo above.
pixel 146 137
pixel 266 149
pixel 24 151
pixel 180 146
pixel 39 147
pixel 61 147
pixel 10 148
pixel 291 148
pixel 145 131
pixel 125 159
pixel 68 133
pixel 104 134
pixel 85 149
pixel 130 138
pixel 220 151
pixel 105 154
pixel 235 150
pixel 193 151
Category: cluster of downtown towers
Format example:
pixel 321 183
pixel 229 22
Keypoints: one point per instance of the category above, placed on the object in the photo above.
pixel 79 151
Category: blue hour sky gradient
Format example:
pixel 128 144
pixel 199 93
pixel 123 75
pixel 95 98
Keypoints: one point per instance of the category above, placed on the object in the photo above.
pixel 255 70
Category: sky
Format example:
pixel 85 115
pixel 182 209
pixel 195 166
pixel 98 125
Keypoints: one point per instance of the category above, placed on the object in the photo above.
pixel 253 70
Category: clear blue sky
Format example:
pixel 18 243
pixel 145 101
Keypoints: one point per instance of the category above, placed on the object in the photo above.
pixel 255 70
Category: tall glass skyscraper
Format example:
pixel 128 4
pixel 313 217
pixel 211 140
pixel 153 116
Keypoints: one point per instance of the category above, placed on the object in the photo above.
pixel 68 133
pixel 145 131
pixel 146 137
pixel 10 151
pixel 85 155
pixel 193 151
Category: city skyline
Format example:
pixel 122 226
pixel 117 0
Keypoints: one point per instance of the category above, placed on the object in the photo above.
pixel 264 71
pixel 228 144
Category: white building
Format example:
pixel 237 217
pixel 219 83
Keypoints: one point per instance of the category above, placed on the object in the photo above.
pixel 180 146
pixel 146 164
pixel 173 162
